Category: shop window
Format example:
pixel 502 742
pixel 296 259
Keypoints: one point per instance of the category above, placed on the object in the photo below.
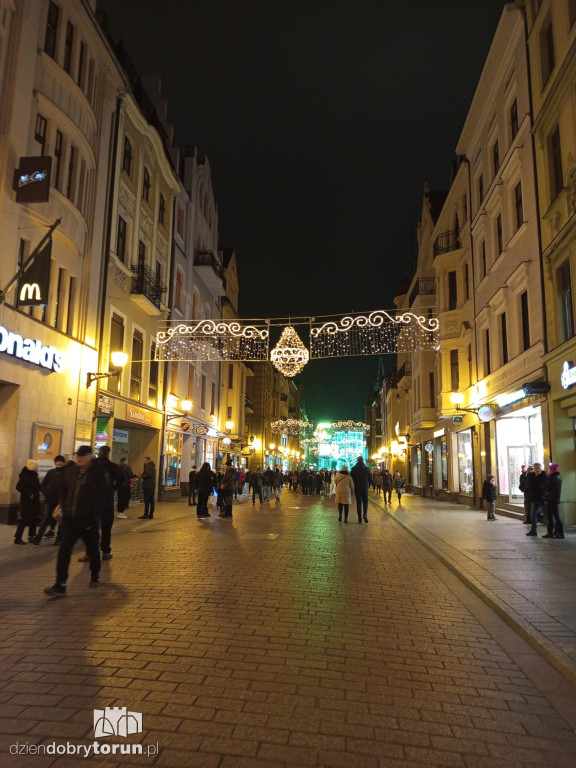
pixel 465 464
pixel 136 365
pixel 68 46
pixel 430 469
pixel 417 472
pixel 127 156
pixel 444 462
pixel 121 239
pixel 153 377
pixel 514 119
pixel 525 320
pixel 51 33
pixel 565 308
pixel 174 443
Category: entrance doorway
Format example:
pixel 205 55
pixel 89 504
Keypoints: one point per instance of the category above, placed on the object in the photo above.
pixel 517 456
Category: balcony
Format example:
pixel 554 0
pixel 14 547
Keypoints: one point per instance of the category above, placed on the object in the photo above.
pixel 424 287
pixel 147 289
pixel 211 272
pixel 446 242
pixel 248 404
pixel 405 371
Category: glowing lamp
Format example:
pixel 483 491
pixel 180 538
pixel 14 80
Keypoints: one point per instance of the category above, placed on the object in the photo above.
pixel 186 405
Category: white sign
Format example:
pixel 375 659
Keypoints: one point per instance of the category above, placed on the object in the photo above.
pixel 485 413
pixel 31 350
pixel 120 435
pixel 429 447
pixel 568 377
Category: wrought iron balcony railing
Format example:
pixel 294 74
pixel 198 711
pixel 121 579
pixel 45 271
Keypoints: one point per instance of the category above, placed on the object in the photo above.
pixel 405 370
pixel 147 283
pixel 424 287
pixel 208 259
pixel 447 241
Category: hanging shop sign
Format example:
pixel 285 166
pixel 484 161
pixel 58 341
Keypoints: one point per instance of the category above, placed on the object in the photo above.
pixel 429 447
pixel 568 377
pixel 485 413
pixel 201 430
pixel 32 179
pixel 106 404
pixel 34 283
pixel 31 351
pixel 457 419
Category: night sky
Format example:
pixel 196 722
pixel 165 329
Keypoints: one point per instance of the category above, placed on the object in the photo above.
pixel 321 119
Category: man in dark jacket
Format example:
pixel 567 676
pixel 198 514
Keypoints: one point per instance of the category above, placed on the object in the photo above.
pixel 148 487
pixel 387 485
pixel 125 487
pixel 85 488
pixel 552 489
pixel 50 487
pixel 107 518
pixel 192 486
pixel 362 481
pixel 534 486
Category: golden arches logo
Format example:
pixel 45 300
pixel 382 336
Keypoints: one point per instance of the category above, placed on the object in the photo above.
pixel 30 292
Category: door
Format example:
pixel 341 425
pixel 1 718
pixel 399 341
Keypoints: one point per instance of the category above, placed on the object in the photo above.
pixel 517 456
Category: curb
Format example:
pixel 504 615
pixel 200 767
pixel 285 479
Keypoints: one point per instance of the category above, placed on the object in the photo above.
pixel 534 638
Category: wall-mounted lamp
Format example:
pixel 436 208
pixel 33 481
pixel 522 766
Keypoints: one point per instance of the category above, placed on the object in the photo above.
pixel 119 360
pixel 484 412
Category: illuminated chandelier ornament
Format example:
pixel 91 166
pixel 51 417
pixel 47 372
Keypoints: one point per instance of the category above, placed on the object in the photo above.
pixel 290 355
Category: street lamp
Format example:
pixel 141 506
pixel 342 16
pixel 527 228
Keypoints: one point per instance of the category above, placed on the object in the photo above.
pixel 484 412
pixel 119 360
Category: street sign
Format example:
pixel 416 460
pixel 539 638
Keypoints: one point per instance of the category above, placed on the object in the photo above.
pixel 457 419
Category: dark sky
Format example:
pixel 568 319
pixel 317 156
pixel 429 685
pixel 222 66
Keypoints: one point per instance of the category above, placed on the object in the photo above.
pixel 322 119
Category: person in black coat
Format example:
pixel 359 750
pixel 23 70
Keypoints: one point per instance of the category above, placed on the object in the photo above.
pixel 50 487
pixel 192 486
pixel 205 484
pixel 534 484
pixel 362 481
pixel 489 496
pixel 552 489
pixel 28 487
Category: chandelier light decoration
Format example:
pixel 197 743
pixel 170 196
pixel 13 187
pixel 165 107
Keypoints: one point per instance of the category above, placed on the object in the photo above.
pixel 290 355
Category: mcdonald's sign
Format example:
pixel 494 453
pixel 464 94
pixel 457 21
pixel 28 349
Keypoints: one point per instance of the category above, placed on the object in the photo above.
pixel 34 285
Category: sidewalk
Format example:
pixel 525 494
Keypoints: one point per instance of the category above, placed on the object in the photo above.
pixel 529 582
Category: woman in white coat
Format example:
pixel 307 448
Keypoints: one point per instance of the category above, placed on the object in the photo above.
pixel 344 492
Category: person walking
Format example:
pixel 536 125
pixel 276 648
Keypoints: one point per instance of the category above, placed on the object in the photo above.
pixel 125 487
pixel 387 484
pixel 149 487
pixel 256 480
pixel 399 485
pixel 344 492
pixel 268 483
pixel 192 486
pixel 86 487
pixel 28 486
pixel 362 478
pixel 522 488
pixel 226 489
pixel 205 484
pixel 107 516
pixel 535 482
pixel 552 489
pixel 50 487
pixel 277 483
pixel 489 496
pixel 378 482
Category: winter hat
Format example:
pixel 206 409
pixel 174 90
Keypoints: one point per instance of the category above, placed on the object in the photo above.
pixel 84 450
pixel 32 465
pixel 553 468
pixel 344 468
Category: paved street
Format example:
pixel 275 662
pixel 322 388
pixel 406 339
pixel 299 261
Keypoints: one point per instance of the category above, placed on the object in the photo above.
pixel 284 639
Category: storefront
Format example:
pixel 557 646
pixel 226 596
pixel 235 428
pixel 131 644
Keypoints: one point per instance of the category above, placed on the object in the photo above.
pixel 465 462
pixel 519 441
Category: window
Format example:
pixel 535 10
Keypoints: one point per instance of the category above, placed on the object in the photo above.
pixel 161 209
pixel 146 186
pixel 68 45
pixel 452 291
pixel 514 119
pixel 547 59
pixel 571 12
pixel 213 399
pixel 518 205
pixel 466 282
pixel 499 241
pixel 81 65
pixel 454 371
pixel 194 305
pixel 40 132
pixel 230 376
pixel 141 256
pixel 483 271
pixel 127 156
pixel 481 188
pixel 487 360
pixel 71 172
pixel 58 150
pixel 153 377
pixel 116 345
pixel 71 300
pixel 136 365
pixel 121 239
pixel 59 297
pixel 229 413
pixel 431 389
pixel 469 364
pixel 173 378
pixel 180 221
pixel 504 338
pixel 178 291
pixel 51 29
pixel 496 157
pixel 565 310
pixel 525 320
pixel 190 389
pixel 203 392
pixel 556 175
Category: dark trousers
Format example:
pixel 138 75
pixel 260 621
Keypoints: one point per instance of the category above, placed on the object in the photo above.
pixel 527 506
pixel 256 491
pixel 362 502
pixel 202 508
pixel 106 524
pixel 388 493
pixel 226 497
pixel 149 502
pixel 27 519
pixel 554 522
pixel 123 498
pixel 192 496
pixel 47 520
pixel 85 528
pixel 343 508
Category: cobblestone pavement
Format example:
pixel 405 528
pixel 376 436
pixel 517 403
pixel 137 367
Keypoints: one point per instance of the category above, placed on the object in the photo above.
pixel 277 639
